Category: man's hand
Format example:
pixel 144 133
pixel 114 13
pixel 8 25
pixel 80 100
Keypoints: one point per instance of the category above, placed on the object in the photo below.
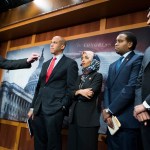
pixel 109 122
pixel 105 115
pixel 138 109
pixel 33 57
pixel 143 117
pixel 30 114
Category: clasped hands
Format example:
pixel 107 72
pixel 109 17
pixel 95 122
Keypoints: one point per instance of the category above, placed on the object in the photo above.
pixel 141 114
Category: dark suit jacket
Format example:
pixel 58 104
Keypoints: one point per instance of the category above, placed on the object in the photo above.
pixel 120 89
pixel 13 64
pixel 86 110
pixel 143 82
pixel 57 92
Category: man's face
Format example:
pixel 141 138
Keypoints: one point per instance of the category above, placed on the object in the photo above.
pixel 148 16
pixel 56 46
pixel 122 45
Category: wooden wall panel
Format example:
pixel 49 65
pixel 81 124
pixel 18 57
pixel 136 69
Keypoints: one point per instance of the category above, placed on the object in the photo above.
pixel 128 19
pixel 7 135
pixel 32 9
pixel 70 31
pixel 25 141
pixel 3 48
pixel 21 41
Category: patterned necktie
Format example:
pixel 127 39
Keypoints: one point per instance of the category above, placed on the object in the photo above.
pixel 50 69
pixel 118 64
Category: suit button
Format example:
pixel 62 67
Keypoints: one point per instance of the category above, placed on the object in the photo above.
pixel 79 101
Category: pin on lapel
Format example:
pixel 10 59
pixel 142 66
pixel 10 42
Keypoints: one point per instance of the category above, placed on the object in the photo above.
pixel 90 78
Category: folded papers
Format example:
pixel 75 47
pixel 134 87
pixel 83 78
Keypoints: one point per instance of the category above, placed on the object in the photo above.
pixel 116 124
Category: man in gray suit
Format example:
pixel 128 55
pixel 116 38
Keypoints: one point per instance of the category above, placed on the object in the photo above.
pixel 142 99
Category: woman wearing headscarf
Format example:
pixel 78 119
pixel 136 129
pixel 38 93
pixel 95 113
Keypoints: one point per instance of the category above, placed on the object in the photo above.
pixel 84 114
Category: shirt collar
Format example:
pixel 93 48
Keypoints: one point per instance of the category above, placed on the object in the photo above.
pixel 126 54
pixel 59 56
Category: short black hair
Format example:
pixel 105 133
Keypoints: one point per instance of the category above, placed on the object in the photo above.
pixel 130 38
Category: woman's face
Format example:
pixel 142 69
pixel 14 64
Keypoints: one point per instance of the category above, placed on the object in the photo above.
pixel 85 61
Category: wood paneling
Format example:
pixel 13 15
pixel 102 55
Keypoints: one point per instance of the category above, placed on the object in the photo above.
pixel 34 9
pixel 3 48
pixel 70 31
pixel 7 135
pixel 21 41
pixel 70 16
pixel 128 19
pixel 25 141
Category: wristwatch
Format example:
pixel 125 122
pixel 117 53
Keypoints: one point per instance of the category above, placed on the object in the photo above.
pixel 108 111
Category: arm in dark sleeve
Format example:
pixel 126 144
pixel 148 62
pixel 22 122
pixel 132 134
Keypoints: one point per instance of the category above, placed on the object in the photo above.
pixel 127 94
pixel 36 92
pixel 96 85
pixel 138 89
pixel 72 74
pixel 106 92
pixel 13 64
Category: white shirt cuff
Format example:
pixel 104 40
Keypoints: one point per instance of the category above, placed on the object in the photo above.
pixel 110 111
pixel 31 109
pixel 146 105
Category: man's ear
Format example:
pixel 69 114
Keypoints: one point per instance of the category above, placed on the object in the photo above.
pixel 130 44
pixel 62 47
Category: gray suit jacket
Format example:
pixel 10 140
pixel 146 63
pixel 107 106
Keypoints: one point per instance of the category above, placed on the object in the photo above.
pixel 14 64
pixel 143 82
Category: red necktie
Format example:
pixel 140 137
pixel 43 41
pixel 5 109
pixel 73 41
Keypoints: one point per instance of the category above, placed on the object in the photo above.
pixel 50 69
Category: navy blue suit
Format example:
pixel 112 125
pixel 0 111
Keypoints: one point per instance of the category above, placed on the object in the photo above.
pixel 119 98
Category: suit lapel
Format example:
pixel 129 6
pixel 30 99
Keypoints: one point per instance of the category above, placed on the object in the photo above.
pixel 58 66
pixel 146 58
pixel 114 73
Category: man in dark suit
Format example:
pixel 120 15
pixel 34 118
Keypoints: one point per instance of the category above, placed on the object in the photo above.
pixel 142 99
pixel 53 97
pixel 119 94
pixel 18 64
